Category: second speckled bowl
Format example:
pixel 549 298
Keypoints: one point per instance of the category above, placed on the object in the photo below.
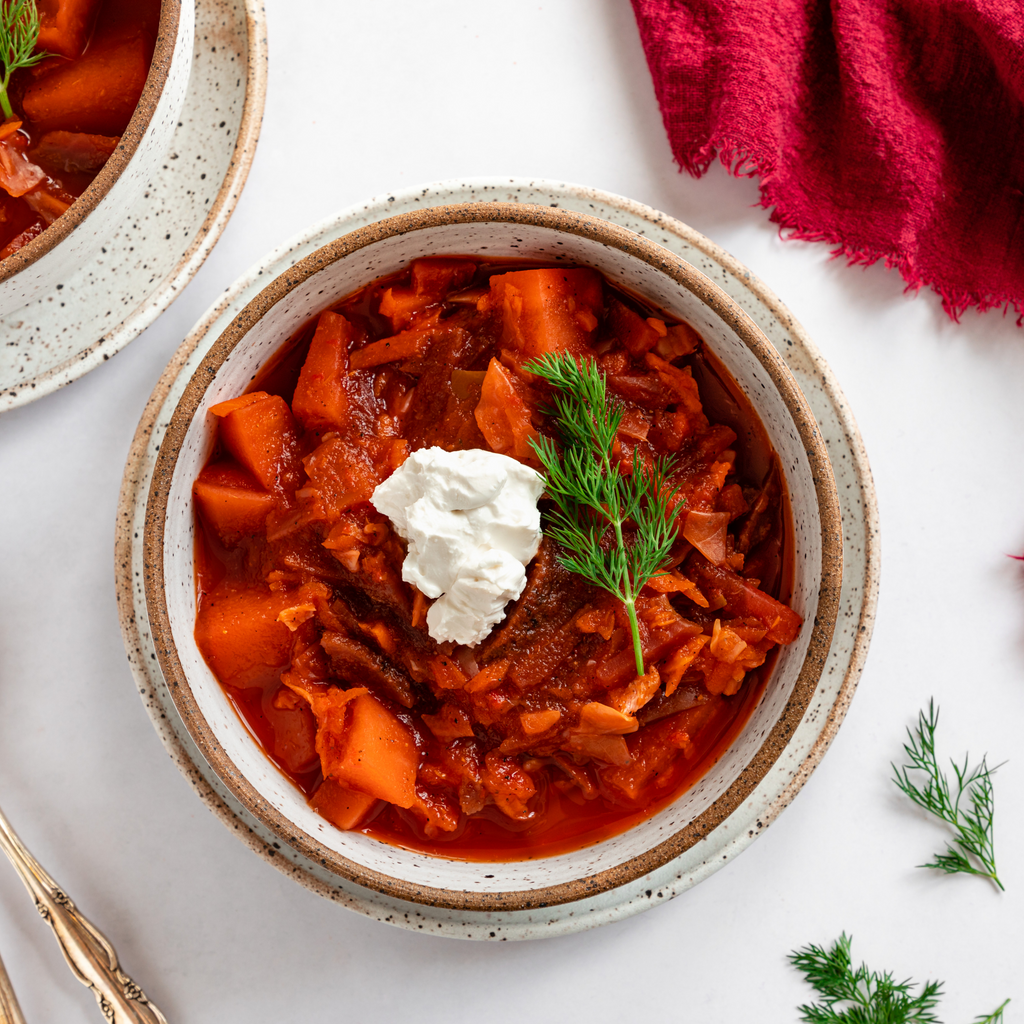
pixel 95 216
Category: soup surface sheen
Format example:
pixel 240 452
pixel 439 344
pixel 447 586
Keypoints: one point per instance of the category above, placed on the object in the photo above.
pixel 541 738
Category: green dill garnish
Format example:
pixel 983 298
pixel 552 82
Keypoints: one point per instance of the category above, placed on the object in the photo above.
pixel 616 529
pixel 860 996
pixel 969 813
pixel 19 33
pixel 995 1017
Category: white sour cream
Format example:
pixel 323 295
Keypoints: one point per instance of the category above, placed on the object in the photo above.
pixel 472 524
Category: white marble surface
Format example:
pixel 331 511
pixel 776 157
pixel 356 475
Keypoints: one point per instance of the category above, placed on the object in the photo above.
pixel 364 97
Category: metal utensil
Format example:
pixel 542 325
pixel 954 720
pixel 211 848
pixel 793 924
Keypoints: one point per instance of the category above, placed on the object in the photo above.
pixel 89 954
pixel 10 1011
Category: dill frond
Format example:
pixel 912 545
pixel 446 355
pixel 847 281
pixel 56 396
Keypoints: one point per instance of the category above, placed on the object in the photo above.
pixel 995 1017
pixel 19 34
pixel 968 807
pixel 861 996
pixel 594 501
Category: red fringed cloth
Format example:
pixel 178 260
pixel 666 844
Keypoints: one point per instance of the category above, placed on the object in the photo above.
pixel 893 129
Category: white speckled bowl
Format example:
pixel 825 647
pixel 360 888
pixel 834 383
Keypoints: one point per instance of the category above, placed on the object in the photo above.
pixel 59 251
pixel 324 277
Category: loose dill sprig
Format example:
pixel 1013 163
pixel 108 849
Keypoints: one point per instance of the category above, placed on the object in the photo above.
pixel 861 996
pixel 995 1017
pixel 595 502
pixel 969 812
pixel 858 995
pixel 19 34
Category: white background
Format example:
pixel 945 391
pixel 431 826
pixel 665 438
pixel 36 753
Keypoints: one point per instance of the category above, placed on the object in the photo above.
pixel 372 96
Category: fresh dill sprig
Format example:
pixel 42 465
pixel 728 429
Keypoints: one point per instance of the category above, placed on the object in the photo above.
pixel 863 996
pixel 860 996
pixel 995 1017
pixel 616 529
pixel 19 33
pixel 969 813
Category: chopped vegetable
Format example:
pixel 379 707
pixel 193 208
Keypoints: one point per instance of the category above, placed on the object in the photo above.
pixel 76 152
pixel 96 94
pixel 321 400
pixel 545 312
pixel 65 26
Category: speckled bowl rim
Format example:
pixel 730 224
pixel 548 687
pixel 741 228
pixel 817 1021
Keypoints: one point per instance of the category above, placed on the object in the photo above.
pixel 734 316
pixel 79 210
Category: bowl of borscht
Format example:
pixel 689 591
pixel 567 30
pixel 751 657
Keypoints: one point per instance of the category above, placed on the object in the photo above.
pixel 493 555
pixel 92 96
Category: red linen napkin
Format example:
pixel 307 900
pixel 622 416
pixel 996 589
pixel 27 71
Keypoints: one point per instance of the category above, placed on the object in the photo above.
pixel 894 130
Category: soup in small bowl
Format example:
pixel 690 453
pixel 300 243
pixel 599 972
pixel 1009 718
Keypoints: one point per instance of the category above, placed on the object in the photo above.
pixel 87 117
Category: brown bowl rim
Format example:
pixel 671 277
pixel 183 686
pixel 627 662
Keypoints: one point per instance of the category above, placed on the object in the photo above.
pixel 79 210
pixel 684 274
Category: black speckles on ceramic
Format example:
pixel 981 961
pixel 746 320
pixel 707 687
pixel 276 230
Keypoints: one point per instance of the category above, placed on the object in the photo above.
pixel 744 798
pixel 154 249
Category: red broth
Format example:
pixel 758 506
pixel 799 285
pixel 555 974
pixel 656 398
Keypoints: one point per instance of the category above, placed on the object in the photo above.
pixel 515 748
pixel 71 109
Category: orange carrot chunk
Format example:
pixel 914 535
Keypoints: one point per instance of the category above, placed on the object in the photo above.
pixel 240 637
pixel 534 723
pixel 434 277
pixel 231 502
pixel 261 434
pixel 379 757
pixel 294 728
pixel 65 25
pixel 450 723
pixel 344 808
pixel 400 305
pixel 223 408
pixel 320 401
pixel 431 280
pixel 547 310
pixel 96 94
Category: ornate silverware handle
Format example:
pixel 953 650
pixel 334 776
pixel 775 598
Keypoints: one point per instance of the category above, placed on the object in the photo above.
pixel 10 1011
pixel 90 956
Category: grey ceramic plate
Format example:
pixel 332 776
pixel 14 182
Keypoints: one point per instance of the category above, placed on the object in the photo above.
pixel 168 233
pixel 842 667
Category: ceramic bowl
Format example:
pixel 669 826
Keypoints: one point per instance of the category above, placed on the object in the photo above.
pixel 94 218
pixel 321 279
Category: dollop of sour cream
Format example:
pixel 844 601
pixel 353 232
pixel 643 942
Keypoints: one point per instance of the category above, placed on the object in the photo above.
pixel 472 524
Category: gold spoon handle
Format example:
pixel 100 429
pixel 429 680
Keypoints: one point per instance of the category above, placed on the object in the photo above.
pixel 90 956
pixel 10 1011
